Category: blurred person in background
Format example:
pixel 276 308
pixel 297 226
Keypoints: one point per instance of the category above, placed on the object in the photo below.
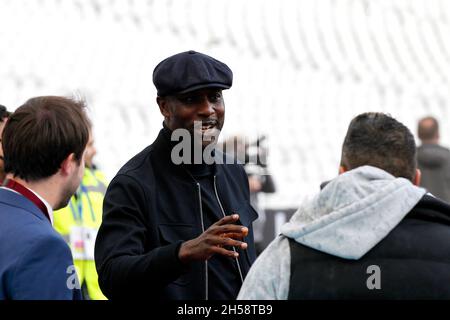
pixel 371 233
pixel 254 158
pixel 4 114
pixel 433 159
pixel 44 144
pixel 174 228
pixel 260 181
pixel 79 222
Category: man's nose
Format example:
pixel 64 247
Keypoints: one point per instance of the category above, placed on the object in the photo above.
pixel 206 108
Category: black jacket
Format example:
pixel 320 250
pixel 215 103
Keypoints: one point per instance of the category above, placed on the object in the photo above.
pixel 434 162
pixel 150 208
pixel 414 262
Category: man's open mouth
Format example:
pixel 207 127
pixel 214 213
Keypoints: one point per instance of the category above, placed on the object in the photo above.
pixel 208 125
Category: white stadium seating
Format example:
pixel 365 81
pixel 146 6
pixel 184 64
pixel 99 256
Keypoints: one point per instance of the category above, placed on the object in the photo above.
pixel 302 69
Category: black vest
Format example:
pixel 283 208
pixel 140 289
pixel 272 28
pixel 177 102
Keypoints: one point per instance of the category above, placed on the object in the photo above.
pixel 412 262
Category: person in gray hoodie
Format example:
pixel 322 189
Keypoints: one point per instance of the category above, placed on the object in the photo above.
pixel 371 233
pixel 433 159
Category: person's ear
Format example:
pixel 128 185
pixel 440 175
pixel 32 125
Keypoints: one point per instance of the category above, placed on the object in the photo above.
pixel 342 169
pixel 417 177
pixel 68 164
pixel 163 106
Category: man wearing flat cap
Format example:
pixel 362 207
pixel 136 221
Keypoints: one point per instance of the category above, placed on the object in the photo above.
pixel 177 225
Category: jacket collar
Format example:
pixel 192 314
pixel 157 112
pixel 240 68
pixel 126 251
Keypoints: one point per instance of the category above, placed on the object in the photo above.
pixel 163 145
pixel 431 209
pixel 17 200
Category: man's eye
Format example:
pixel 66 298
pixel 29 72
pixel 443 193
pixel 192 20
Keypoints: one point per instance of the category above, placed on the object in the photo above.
pixel 215 97
pixel 188 100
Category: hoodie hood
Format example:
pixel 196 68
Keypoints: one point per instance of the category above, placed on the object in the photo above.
pixel 432 156
pixel 353 212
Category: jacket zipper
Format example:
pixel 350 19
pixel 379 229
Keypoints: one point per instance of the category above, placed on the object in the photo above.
pixel 203 230
pixel 223 212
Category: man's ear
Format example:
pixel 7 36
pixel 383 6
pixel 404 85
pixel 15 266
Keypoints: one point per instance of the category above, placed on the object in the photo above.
pixel 68 164
pixel 417 177
pixel 163 106
pixel 342 169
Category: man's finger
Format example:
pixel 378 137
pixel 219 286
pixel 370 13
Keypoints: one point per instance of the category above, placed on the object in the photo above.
pixel 221 241
pixel 227 219
pixel 234 235
pixel 230 228
pixel 225 252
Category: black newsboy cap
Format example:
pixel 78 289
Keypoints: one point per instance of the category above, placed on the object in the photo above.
pixel 189 71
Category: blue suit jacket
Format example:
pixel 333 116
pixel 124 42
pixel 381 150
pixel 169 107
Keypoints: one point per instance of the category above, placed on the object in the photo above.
pixel 35 262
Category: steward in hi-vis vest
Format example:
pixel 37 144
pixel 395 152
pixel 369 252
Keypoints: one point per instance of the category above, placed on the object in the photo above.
pixel 78 223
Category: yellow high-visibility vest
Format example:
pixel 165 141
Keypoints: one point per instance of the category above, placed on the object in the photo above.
pixel 84 212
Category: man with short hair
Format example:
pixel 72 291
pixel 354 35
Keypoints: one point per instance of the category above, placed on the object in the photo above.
pixel 177 225
pixel 44 143
pixel 371 233
pixel 79 222
pixel 433 159
pixel 4 114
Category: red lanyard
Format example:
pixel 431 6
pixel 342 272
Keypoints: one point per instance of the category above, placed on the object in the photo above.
pixel 14 185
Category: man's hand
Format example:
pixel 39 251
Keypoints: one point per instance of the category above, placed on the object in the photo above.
pixel 212 241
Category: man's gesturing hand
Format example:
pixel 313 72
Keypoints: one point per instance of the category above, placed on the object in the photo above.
pixel 214 239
